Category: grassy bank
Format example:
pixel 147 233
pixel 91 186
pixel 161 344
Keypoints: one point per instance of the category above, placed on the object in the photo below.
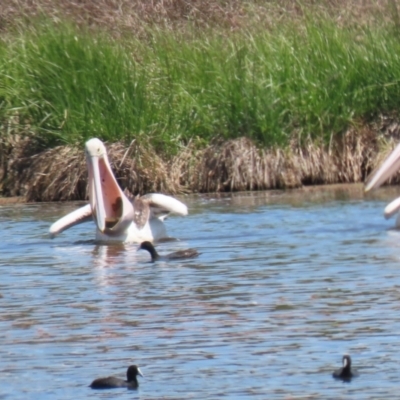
pixel 295 91
pixel 297 80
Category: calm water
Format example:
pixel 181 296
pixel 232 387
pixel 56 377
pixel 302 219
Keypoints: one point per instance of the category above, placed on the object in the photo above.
pixel 286 283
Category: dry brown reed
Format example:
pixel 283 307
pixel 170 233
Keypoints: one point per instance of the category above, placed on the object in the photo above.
pixel 124 16
pixel 234 165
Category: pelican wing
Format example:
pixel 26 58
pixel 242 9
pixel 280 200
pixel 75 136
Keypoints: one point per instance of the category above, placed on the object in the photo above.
pixel 161 204
pixel 83 214
pixel 392 208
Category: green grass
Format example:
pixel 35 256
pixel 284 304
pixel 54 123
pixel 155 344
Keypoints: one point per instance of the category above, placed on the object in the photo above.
pixel 314 80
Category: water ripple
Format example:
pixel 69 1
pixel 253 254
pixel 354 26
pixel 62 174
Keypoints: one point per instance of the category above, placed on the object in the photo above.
pixel 285 284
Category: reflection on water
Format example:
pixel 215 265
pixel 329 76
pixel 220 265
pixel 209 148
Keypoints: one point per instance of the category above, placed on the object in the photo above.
pixel 286 283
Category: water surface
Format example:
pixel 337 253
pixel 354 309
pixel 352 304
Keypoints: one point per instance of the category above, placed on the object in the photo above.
pixel 286 283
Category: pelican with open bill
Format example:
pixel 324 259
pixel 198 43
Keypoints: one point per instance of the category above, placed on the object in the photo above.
pixel 389 167
pixel 119 216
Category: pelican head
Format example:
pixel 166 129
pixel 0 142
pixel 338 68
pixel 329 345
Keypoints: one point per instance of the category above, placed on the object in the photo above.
pixel 111 209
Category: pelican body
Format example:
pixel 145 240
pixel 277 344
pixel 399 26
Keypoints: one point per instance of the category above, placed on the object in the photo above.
pixel 388 168
pixel 119 216
pixel 392 209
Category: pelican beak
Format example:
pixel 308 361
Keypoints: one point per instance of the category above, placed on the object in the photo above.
pixel 98 201
pixel 109 204
pixel 388 168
